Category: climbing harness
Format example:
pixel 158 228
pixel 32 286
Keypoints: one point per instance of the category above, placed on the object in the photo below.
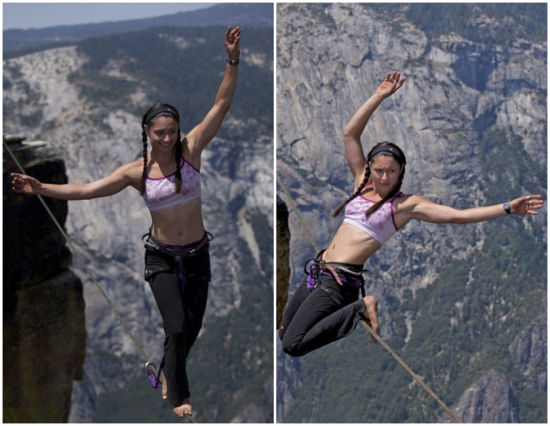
pixel 176 251
pixel 317 266
pixel 365 322
pixel 74 249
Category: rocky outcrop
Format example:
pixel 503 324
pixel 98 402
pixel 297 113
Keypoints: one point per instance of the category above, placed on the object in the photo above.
pixel 44 333
pixel 289 368
pixel 529 353
pixel 490 400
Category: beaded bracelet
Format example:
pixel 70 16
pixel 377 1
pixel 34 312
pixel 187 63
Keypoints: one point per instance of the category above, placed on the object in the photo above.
pixel 232 62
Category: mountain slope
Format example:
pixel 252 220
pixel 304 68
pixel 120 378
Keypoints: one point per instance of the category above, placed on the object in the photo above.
pixel 18 42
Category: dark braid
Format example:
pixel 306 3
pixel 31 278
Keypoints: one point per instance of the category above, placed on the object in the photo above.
pixel 382 148
pixel 144 173
pixel 178 152
pixel 339 209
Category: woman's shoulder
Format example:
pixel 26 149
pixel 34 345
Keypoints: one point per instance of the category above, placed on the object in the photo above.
pixel 133 166
pixel 403 197
pixel 132 170
pixel 407 201
pixel 405 206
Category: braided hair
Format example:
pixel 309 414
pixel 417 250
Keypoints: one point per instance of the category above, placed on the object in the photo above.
pixel 154 111
pixel 382 148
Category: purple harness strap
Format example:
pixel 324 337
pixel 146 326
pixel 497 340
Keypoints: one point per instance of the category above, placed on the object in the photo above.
pixel 317 266
pixel 178 252
pixel 152 374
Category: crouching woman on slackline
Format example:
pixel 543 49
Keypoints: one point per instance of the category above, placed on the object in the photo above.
pixel 177 262
pixel 326 306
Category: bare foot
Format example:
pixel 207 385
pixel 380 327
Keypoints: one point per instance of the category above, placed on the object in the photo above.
pixel 184 409
pixel 370 313
pixel 164 385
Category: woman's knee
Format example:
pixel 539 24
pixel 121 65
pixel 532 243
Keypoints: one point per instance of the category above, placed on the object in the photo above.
pixel 292 348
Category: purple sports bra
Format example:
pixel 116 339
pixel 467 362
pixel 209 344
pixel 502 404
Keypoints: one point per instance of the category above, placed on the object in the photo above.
pixel 160 193
pixel 380 225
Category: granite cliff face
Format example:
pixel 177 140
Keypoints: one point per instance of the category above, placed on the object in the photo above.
pixel 43 329
pixel 470 117
pixel 488 401
pixel 70 96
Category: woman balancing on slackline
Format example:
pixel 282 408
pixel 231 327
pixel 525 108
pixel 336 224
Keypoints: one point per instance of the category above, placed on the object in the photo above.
pixel 326 307
pixel 168 178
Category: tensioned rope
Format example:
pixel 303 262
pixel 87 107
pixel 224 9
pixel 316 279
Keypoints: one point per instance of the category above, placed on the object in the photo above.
pixel 89 273
pixel 364 323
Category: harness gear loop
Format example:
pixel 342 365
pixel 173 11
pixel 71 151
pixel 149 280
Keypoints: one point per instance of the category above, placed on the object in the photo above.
pixel 151 369
pixel 153 374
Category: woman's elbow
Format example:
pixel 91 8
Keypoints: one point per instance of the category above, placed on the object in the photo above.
pixel 348 132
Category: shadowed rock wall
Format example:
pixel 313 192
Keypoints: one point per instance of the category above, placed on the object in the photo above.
pixel 283 263
pixel 44 331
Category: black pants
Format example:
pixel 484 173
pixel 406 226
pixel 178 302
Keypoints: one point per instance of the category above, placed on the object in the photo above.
pixel 314 319
pixel 182 309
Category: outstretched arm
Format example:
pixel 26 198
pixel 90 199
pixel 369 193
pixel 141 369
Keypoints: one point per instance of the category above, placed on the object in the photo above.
pixel 115 182
pixel 203 133
pixel 353 130
pixel 425 210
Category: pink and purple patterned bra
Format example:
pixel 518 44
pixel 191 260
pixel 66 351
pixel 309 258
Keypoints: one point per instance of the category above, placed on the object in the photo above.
pixel 160 193
pixel 380 225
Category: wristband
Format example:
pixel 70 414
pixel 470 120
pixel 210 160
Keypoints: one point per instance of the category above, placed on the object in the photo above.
pixel 232 62
pixel 507 209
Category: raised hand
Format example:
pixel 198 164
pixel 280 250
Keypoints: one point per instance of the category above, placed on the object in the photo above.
pixel 391 84
pixel 25 184
pixel 232 38
pixel 528 204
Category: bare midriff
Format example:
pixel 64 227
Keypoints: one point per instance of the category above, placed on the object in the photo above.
pixel 351 245
pixel 180 224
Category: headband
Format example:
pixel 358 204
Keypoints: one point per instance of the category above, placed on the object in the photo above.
pixel 164 109
pixel 387 148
